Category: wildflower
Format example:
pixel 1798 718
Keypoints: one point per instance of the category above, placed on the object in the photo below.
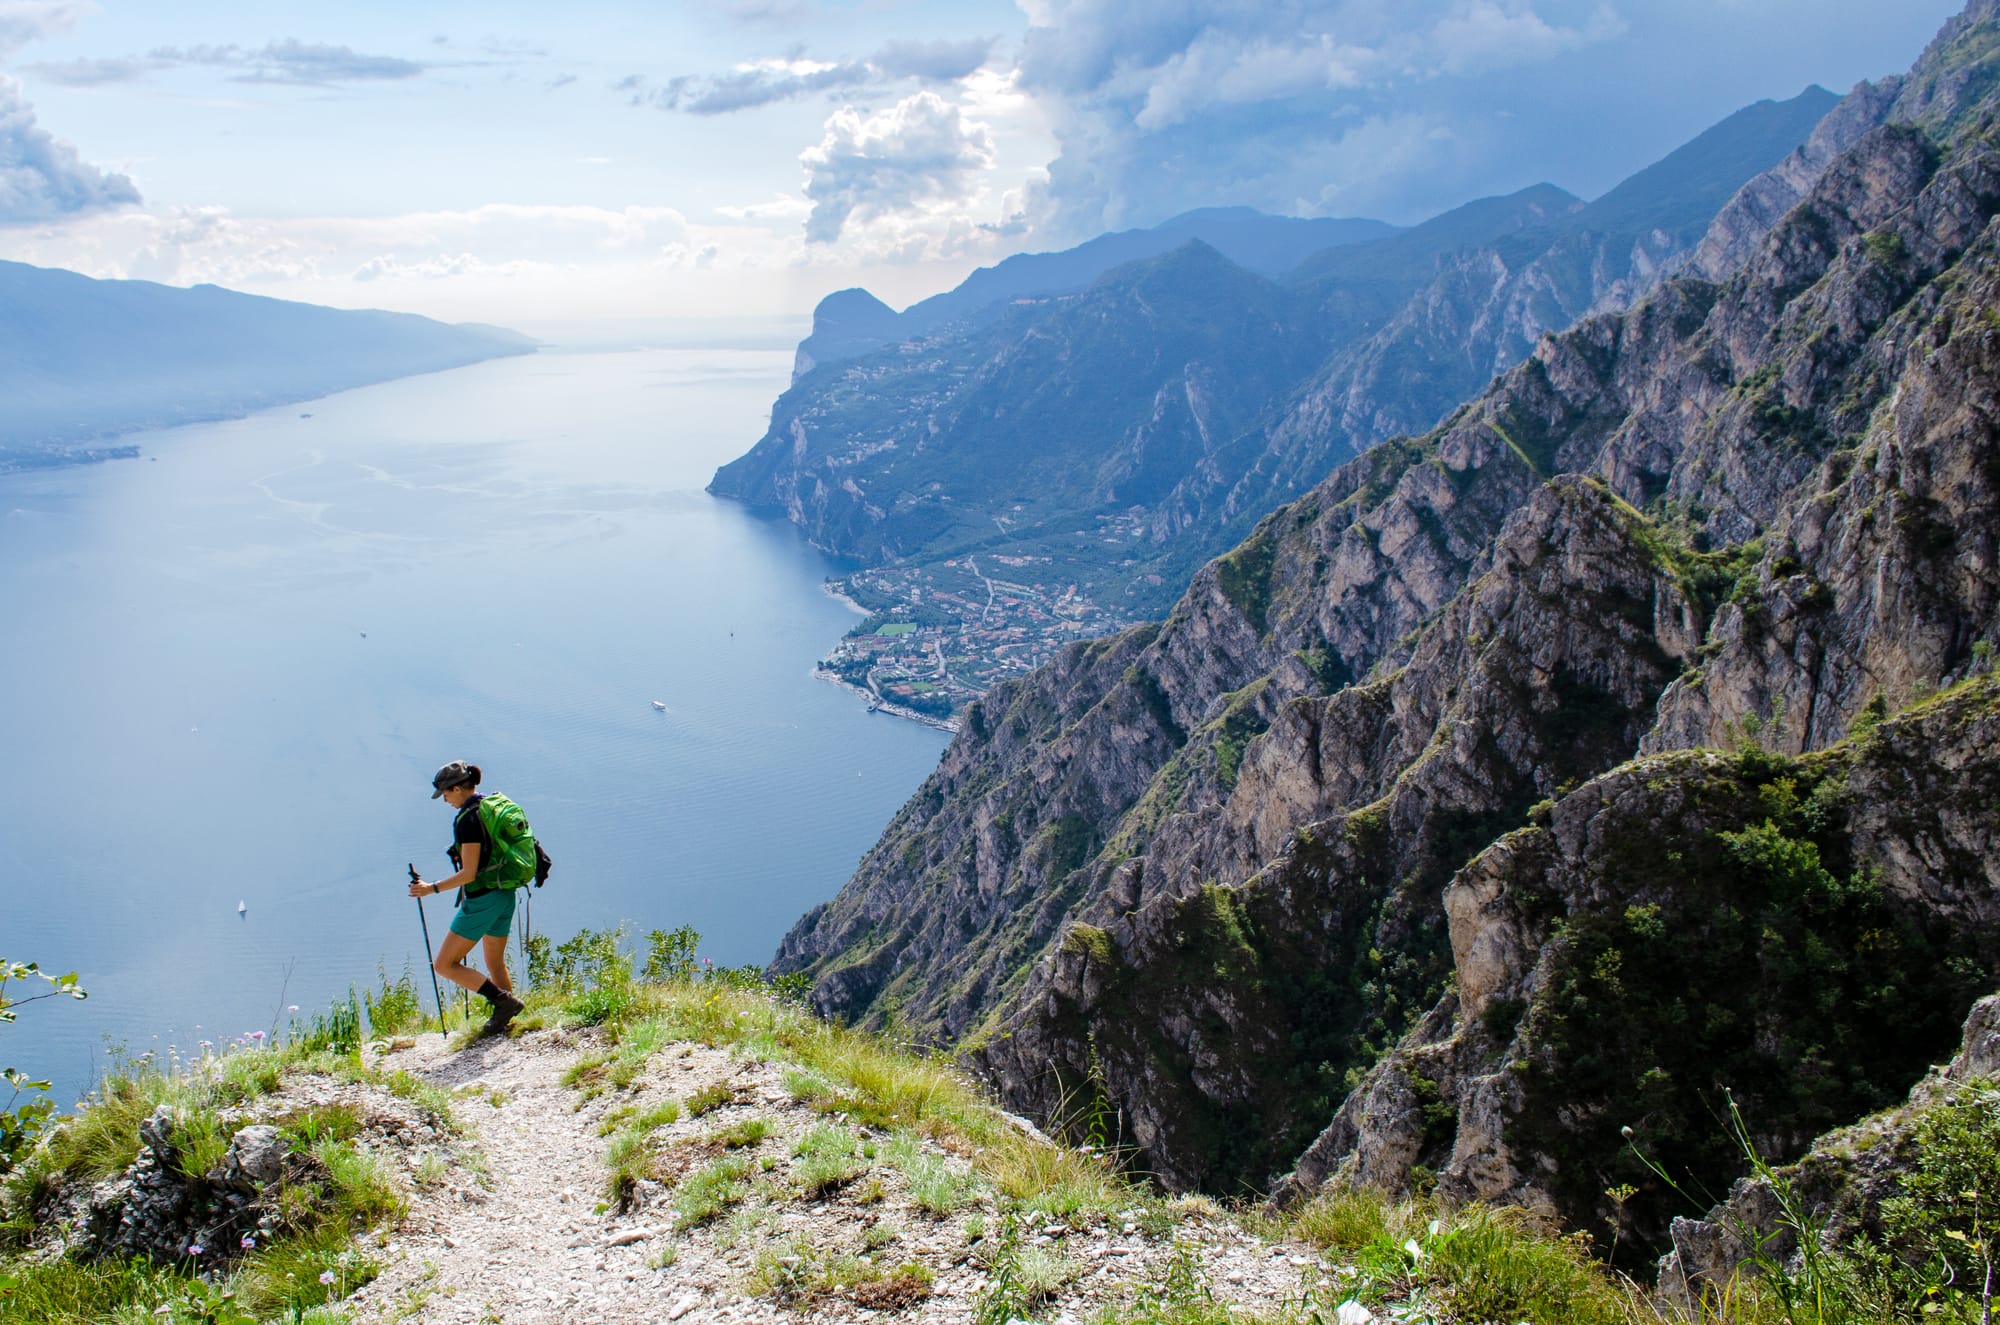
pixel 208 1044
pixel 326 1276
pixel 194 1249
pixel 248 1243
pixel 257 1036
pixel 291 1007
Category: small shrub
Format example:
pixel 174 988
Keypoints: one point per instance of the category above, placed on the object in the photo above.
pixel 806 1086
pixel 1180 1296
pixel 393 1007
pixel 587 960
pixel 670 954
pixel 594 1007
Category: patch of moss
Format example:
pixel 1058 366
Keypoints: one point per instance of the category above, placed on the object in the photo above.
pixel 1244 576
pixel 1066 844
pixel 1089 941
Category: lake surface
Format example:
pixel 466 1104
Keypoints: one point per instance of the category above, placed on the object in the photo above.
pixel 234 663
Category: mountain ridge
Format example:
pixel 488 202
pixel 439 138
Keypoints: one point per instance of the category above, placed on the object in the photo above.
pixel 1203 870
pixel 851 322
pixel 84 360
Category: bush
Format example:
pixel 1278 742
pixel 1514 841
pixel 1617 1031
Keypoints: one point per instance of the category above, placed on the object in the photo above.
pixel 588 959
pixel 594 1007
pixel 393 1006
pixel 670 954
pixel 1945 1222
pixel 337 1030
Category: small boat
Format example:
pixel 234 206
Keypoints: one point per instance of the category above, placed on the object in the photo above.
pixel 241 908
pixel 658 705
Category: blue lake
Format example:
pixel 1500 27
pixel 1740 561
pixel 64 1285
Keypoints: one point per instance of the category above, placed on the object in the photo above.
pixel 233 664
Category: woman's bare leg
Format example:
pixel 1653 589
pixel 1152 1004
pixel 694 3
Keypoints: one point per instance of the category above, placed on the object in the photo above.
pixel 494 948
pixel 450 962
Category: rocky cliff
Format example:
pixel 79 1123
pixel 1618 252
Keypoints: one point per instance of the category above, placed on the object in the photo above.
pixel 1408 815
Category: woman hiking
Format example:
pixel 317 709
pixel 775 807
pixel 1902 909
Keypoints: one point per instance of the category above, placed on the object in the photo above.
pixel 490 873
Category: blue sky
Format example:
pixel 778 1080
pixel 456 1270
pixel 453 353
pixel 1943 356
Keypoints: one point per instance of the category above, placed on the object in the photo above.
pixel 537 165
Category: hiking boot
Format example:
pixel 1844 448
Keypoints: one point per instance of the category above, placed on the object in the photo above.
pixel 505 1008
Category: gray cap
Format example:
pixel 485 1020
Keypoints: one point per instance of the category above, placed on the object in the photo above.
pixel 457 773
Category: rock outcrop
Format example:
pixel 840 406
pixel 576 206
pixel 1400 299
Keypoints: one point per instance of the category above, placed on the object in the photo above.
pixel 1689 924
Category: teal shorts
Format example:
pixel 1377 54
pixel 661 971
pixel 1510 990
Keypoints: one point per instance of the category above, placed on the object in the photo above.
pixel 491 916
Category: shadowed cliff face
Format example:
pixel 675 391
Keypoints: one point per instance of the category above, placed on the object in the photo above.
pixel 1217 880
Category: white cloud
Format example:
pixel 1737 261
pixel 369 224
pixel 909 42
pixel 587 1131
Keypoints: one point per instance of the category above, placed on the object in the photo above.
pixel 23 21
pixel 784 207
pixel 41 177
pixel 1163 105
pixel 916 158
pixel 1484 35
pixel 90 72
pixel 1218 69
pixel 765 82
pixel 294 62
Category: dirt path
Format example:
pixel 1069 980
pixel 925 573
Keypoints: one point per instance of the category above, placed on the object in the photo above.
pixel 531 1240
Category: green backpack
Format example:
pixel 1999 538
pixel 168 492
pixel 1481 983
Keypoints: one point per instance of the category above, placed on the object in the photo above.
pixel 516 857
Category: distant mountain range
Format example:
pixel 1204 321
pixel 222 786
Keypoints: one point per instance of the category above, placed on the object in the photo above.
pixel 83 361
pixel 1119 430
pixel 849 323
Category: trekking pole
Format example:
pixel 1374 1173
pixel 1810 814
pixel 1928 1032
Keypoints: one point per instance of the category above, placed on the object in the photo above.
pixel 437 995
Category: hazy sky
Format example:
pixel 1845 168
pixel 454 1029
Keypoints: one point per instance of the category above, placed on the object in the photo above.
pixel 534 164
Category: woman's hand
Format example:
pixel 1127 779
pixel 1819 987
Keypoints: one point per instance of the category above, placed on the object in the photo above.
pixel 468 870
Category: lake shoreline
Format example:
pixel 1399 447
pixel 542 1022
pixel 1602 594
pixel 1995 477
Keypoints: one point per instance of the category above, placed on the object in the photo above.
pixel 880 705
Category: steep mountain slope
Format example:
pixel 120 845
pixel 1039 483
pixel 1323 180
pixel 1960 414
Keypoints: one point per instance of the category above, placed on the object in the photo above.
pixel 82 359
pixel 1486 306
pixel 878 457
pixel 1210 878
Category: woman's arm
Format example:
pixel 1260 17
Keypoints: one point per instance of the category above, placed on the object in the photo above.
pixel 468 855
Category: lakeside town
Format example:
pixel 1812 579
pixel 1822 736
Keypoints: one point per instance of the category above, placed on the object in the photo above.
pixel 936 637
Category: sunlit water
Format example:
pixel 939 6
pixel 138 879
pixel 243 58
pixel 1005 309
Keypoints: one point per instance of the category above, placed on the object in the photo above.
pixel 232 665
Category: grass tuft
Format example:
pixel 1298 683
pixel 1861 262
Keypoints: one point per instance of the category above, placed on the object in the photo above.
pixel 708 1191
pixel 827 1158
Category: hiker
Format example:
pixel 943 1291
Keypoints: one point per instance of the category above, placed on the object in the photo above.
pixel 486 907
